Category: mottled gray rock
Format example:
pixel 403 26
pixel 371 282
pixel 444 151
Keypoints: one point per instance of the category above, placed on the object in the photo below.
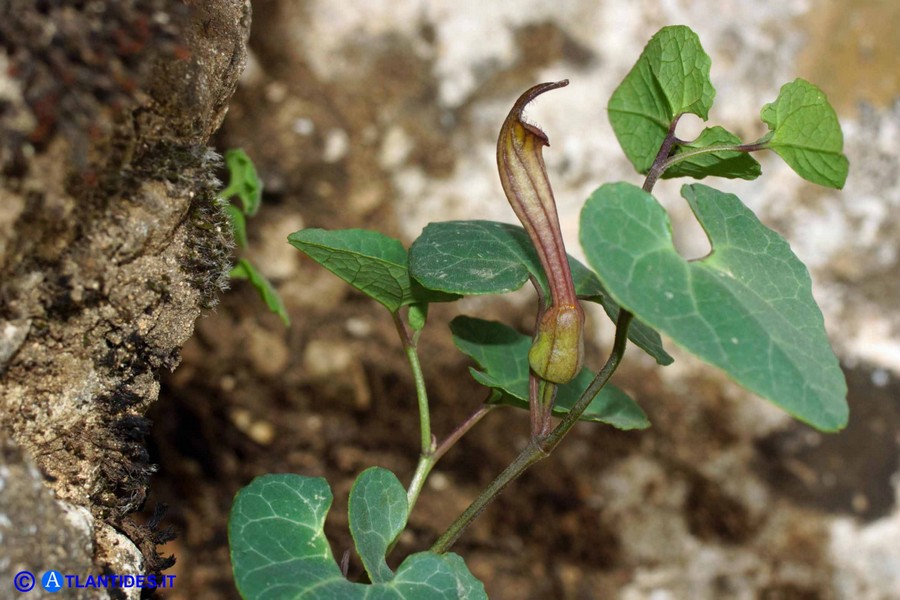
pixel 38 533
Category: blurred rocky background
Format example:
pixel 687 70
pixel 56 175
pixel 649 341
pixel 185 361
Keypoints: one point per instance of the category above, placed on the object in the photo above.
pixel 384 114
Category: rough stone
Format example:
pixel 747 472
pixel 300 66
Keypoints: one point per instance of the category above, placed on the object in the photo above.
pixel 112 237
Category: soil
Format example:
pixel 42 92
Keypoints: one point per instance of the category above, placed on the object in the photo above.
pixel 582 524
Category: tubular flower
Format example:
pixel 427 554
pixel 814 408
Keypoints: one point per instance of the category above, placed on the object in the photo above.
pixel 558 349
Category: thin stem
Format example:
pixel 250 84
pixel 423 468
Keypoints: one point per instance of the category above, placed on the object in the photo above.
pixel 412 356
pixel 538 448
pixel 425 457
pixel 461 430
pixel 530 455
pixel 659 163
pixel 545 395
pixel 426 463
pixel 427 460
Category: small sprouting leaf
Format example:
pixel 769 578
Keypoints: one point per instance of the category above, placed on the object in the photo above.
pixel 714 163
pixel 245 270
pixel 502 354
pixel 806 134
pixel 377 511
pixel 238 225
pixel 746 308
pixel 670 78
pixel 486 257
pixel 418 315
pixel 243 181
pixel 373 263
pixel 279 549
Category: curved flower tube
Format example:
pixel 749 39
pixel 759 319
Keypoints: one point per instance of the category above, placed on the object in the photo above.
pixel 557 353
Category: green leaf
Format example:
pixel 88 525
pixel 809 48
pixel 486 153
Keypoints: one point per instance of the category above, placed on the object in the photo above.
pixel 243 181
pixel 485 257
pixel 706 161
pixel 373 263
pixel 279 549
pixel 278 546
pixel 670 78
pixel 806 134
pixel 377 510
pixel 746 308
pixel 643 336
pixel 245 270
pixel 238 225
pixel 502 354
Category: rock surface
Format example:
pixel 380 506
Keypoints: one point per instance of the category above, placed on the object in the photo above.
pixel 112 243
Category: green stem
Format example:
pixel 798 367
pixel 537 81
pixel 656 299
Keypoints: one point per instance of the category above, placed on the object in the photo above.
pixel 539 448
pixel 426 463
pixel 431 453
pixel 426 456
pixel 427 460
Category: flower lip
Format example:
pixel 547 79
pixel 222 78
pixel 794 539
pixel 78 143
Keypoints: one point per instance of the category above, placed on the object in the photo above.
pixel 525 99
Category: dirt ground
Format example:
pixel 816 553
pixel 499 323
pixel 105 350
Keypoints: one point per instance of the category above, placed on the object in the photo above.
pixel 225 417
pixel 714 501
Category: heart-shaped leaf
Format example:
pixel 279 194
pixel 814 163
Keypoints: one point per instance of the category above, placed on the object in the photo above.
pixel 279 550
pixel 806 134
pixel 747 308
pixel 705 160
pixel 486 257
pixel 670 78
pixel 371 262
pixel 502 354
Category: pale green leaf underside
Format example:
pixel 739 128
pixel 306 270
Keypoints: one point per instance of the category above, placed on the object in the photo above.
pixel 279 550
pixel 502 355
pixel 486 257
pixel 806 134
pixel 245 270
pixel 371 262
pixel 670 78
pixel 243 181
pixel 238 224
pixel 730 164
pixel 746 308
